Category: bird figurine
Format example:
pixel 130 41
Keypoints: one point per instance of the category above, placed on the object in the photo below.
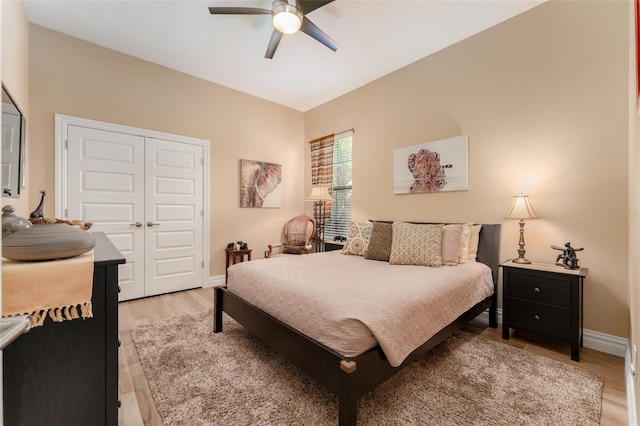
pixel 38 212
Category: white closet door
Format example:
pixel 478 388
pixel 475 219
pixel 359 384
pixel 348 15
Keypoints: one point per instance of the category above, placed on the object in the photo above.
pixel 174 216
pixel 105 185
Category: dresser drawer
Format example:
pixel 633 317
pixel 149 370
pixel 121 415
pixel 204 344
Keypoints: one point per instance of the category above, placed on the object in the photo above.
pixel 537 289
pixel 541 318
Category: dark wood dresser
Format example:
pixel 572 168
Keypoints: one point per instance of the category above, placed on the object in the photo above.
pixel 67 373
pixel 544 299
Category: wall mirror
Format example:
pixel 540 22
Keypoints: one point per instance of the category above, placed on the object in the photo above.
pixel 13 146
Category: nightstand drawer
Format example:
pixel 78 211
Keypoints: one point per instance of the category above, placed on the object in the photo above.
pixel 538 289
pixel 542 318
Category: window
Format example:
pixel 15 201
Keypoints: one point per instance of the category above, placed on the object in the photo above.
pixel 338 224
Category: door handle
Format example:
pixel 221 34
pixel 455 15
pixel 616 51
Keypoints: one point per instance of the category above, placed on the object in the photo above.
pixel 150 224
pixel 137 224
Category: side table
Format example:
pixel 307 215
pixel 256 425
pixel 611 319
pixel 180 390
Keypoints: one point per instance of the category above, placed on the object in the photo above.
pixel 233 256
pixel 544 299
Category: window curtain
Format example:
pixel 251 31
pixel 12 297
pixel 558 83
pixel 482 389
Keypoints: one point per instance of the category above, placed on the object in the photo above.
pixel 322 165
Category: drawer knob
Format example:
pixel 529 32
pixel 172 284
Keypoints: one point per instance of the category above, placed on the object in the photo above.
pixel 537 290
pixel 537 317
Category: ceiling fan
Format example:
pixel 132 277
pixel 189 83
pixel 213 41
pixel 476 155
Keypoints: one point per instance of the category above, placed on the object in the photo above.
pixel 288 16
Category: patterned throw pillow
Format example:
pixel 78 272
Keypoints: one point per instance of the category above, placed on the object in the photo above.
pixel 294 247
pixel 416 244
pixel 380 243
pixel 358 238
pixel 464 242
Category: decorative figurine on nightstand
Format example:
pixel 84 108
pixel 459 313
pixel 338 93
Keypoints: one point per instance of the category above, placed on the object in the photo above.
pixel 568 256
pixel 243 246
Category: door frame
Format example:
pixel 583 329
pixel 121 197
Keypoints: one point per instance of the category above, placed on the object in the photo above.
pixel 61 124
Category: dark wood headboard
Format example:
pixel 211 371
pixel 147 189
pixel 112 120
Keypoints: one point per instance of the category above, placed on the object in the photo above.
pixel 489 249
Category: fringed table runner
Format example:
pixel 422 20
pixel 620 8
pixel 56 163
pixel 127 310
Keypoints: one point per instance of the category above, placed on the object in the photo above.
pixel 60 288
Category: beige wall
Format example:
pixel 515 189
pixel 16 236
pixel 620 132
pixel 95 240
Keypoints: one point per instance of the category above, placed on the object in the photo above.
pixel 15 72
pixel 73 77
pixel 634 198
pixel 543 99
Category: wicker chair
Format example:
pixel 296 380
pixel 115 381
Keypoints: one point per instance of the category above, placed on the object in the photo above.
pixel 295 241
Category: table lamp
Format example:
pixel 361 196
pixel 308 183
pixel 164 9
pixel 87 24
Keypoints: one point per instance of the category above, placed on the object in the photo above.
pixel 521 209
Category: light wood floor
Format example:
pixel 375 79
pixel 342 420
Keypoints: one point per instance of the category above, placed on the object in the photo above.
pixel 138 407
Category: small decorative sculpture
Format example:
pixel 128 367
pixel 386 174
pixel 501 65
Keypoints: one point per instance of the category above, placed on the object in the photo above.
pixel 568 256
pixel 39 211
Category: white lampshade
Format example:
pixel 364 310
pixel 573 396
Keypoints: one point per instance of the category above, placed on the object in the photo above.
pixel 521 208
pixel 287 18
pixel 319 193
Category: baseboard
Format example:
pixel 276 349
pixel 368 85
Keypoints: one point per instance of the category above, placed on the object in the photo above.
pixel 216 281
pixel 602 342
pixel 606 343
pixel 631 390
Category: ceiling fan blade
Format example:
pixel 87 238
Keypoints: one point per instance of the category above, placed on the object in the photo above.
pixel 310 29
pixel 307 6
pixel 274 41
pixel 238 11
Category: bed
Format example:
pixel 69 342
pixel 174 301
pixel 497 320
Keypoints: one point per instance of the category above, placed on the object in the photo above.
pixel 348 375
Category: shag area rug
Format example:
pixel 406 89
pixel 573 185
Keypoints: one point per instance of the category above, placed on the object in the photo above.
pixel 231 378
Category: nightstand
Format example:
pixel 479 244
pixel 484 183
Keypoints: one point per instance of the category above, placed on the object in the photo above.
pixel 544 299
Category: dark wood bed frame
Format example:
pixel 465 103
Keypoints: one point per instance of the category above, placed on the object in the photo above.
pixel 350 378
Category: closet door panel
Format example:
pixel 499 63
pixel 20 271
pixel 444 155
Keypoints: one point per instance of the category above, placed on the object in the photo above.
pixel 174 216
pixel 105 185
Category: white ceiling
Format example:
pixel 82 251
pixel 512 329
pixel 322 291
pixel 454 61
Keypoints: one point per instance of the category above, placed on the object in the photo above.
pixel 375 37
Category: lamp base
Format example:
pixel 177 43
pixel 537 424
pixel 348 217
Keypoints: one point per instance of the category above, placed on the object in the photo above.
pixel 521 260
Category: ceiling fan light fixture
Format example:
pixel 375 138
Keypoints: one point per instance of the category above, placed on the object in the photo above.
pixel 287 18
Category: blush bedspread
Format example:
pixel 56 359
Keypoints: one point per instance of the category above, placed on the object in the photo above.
pixel 349 303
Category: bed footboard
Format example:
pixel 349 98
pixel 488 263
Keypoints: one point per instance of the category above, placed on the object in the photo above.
pixel 328 368
pixel 317 360
pixel 349 379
